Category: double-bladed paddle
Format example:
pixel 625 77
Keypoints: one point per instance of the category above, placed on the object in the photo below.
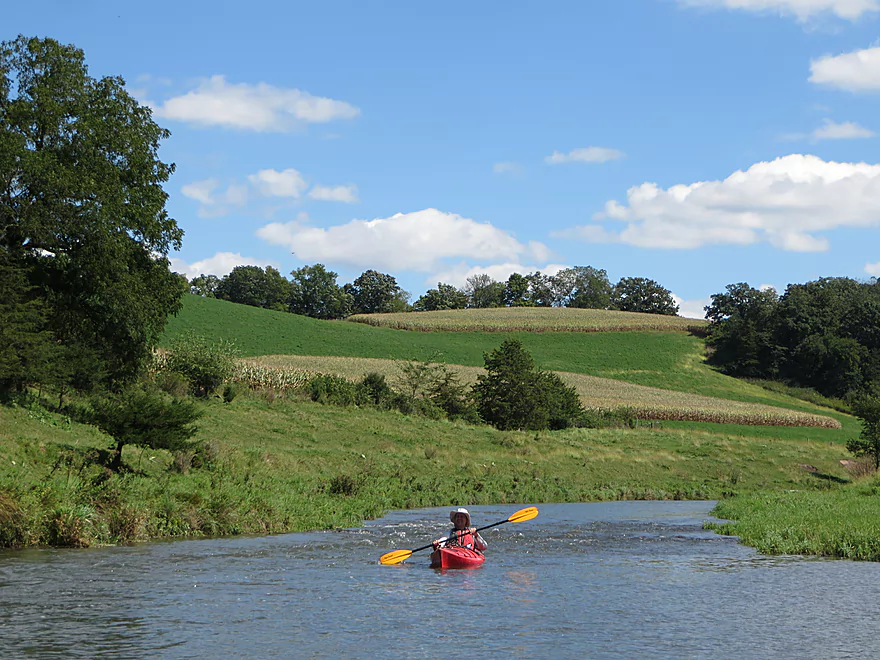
pixel 398 556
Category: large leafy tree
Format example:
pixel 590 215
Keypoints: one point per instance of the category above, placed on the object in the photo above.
pixel 582 286
pixel 830 329
pixel 204 285
pixel 742 324
pixel 540 289
pixel 516 291
pixel 482 291
pixel 639 294
pixel 375 293
pixel 315 293
pixel 82 208
pixel 445 296
pixel 251 285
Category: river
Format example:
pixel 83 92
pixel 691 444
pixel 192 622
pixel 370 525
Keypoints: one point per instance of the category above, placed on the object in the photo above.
pixel 598 580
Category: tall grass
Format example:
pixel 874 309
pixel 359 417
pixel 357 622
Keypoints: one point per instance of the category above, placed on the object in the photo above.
pixel 840 522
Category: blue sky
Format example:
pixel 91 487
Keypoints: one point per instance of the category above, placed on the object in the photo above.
pixel 695 142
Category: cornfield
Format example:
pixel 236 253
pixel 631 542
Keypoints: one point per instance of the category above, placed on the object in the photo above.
pixel 260 376
pixel 530 319
pixel 596 393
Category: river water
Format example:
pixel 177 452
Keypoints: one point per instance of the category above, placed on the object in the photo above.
pixel 598 580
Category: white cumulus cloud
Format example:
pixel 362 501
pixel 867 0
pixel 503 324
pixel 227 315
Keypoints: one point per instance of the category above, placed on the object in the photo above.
pixel 785 202
pixel 419 241
pixel 347 194
pixel 220 264
pixel 857 71
pixel 584 155
pixel 800 9
pixel 261 107
pixel 873 269
pixel 692 309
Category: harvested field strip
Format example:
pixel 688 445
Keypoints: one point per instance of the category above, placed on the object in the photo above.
pixel 529 319
pixel 595 392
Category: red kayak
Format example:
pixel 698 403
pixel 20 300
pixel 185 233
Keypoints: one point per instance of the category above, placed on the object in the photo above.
pixel 456 558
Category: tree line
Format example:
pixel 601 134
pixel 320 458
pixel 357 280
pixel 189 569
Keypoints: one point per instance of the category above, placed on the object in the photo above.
pixel 314 291
pixel 823 335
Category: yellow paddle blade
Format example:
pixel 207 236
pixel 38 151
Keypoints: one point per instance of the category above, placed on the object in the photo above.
pixel 524 514
pixel 395 557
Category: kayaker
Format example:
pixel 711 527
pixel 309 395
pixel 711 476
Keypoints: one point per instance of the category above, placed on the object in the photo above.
pixel 462 535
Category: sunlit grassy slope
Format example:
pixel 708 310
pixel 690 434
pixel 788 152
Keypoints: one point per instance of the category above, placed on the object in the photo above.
pixel 660 359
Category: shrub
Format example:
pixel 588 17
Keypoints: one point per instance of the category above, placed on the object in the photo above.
pixel 172 382
pixel 326 388
pixel 230 391
pixel 867 409
pixel 144 417
pixel 375 391
pixel 513 394
pixel 205 364
pixel 344 485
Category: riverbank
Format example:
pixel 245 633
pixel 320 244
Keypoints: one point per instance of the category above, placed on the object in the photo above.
pixel 279 465
pixel 839 522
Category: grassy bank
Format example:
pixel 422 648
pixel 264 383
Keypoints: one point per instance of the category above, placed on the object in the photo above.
pixel 290 465
pixel 840 522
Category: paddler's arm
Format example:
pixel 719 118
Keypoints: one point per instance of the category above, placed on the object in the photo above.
pixel 479 542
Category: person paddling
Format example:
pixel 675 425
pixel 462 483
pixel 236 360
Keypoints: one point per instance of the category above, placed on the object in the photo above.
pixel 462 535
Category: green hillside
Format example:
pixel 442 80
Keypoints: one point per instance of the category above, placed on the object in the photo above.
pixel 666 360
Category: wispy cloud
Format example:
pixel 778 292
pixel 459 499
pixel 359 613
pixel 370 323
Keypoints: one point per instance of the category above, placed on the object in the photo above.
pixel 260 107
pixel 584 155
pixel 347 194
pixel 831 130
pixel 287 185
pixel 802 10
pixel 508 167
